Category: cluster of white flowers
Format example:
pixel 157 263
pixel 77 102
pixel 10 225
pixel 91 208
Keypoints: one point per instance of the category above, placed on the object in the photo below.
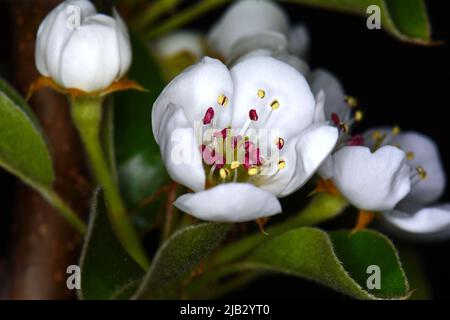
pixel 270 86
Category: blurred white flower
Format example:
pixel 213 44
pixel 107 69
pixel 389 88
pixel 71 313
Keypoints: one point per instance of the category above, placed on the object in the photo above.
pixel 183 41
pixel 252 28
pixel 260 99
pixel 89 56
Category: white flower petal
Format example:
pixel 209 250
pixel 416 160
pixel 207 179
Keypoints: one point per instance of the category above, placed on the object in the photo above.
pixel 124 45
pixel 325 170
pixel 179 150
pixel 312 148
pixel 280 82
pixel 229 202
pixel 371 181
pixel 179 41
pixel 90 60
pixel 426 155
pixel 53 34
pixel 426 224
pixel 334 93
pixel 299 40
pixel 196 89
pixel 244 19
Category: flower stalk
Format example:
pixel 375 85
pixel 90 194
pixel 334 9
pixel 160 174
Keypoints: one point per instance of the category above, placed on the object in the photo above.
pixel 87 116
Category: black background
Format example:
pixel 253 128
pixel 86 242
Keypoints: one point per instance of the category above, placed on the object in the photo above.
pixel 396 83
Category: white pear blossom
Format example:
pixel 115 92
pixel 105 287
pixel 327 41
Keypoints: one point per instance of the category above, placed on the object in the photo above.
pixel 418 216
pixel 89 56
pixel 263 141
pixel 182 41
pixel 259 28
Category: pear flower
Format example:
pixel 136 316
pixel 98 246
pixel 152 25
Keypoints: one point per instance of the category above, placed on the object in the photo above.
pixel 418 216
pixel 259 28
pixel 239 138
pixel 80 49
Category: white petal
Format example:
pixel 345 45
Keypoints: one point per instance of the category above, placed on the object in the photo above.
pixel 334 93
pixel 426 154
pixel 371 181
pixel 180 41
pixel 53 34
pixel 229 202
pixel 196 89
pixel 179 150
pixel 90 60
pixel 294 61
pixel 123 41
pixel 243 19
pixel 312 148
pixel 280 82
pixel 319 113
pixel 426 224
pixel 325 170
pixel 299 40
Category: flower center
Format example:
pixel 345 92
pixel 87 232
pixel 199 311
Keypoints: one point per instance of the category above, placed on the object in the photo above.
pixel 231 155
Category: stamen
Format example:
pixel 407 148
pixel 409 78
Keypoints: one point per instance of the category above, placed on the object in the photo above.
pixel 395 130
pixel 209 115
pixel 224 173
pixel 261 93
pixel 253 171
pixel 279 142
pixel 281 164
pixel 352 102
pixel 356 140
pixel 345 128
pixel 410 155
pixel 253 115
pixel 358 115
pixel 234 165
pixel 275 104
pixel 335 119
pixel 222 100
pixel 421 172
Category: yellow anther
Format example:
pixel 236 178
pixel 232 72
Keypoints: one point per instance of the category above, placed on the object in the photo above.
pixel 422 173
pixel 275 104
pixel 224 173
pixel 234 165
pixel 344 127
pixel 222 100
pixel 261 93
pixel 376 135
pixel 410 155
pixel 252 171
pixel 352 102
pixel 358 115
pixel 281 164
pixel 395 130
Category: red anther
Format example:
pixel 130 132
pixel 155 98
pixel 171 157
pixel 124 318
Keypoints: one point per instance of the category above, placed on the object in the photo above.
pixel 356 140
pixel 221 134
pixel 202 148
pixel 235 141
pixel 209 115
pixel 220 162
pixel 335 119
pixel 253 115
pixel 280 143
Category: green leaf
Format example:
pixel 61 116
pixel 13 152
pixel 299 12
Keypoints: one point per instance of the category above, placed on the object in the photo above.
pixel 140 168
pixel 107 270
pixel 180 254
pixel 23 149
pixel 309 253
pixel 405 19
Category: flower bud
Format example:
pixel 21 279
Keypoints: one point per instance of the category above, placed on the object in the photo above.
pixel 81 49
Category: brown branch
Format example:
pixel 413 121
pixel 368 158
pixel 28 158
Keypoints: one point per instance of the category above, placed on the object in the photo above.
pixel 43 244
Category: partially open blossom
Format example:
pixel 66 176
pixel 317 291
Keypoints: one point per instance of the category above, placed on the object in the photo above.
pixel 371 181
pixel 418 216
pixel 263 139
pixel 80 49
pixel 179 42
pixel 252 28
